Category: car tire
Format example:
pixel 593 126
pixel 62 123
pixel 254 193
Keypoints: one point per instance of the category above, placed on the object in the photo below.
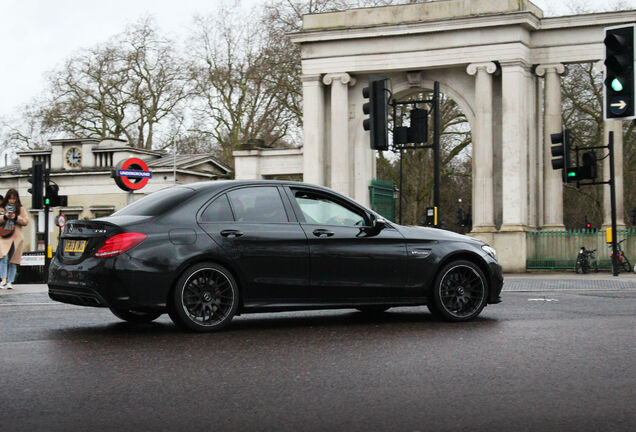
pixel 135 316
pixel 371 310
pixel 205 298
pixel 460 292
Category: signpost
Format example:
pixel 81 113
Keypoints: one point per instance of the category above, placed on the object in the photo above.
pixel 131 174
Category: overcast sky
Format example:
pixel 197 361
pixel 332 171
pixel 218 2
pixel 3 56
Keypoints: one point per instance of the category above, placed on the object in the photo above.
pixel 36 36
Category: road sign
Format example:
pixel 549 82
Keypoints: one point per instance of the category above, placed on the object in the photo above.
pixel 61 220
pixel 131 174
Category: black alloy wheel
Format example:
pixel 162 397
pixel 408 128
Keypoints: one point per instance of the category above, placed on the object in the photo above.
pixel 205 298
pixel 135 316
pixel 460 292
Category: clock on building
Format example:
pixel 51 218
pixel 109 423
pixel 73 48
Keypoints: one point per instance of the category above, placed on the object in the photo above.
pixel 74 157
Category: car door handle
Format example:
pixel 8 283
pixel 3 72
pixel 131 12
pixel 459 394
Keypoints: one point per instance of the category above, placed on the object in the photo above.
pixel 323 232
pixel 231 233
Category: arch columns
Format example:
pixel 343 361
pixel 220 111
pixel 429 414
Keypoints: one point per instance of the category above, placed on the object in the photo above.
pixel 341 157
pixel 552 179
pixel 483 142
pixel 313 130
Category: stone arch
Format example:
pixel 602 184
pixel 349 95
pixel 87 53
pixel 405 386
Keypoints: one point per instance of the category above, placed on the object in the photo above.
pixel 401 86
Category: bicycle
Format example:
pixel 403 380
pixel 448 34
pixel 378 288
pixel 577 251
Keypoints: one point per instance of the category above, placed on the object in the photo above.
pixel 585 261
pixel 622 261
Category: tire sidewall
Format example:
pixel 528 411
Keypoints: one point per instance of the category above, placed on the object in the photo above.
pixel 176 308
pixel 437 302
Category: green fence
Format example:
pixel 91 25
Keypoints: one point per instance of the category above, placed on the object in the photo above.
pixel 558 249
pixel 382 199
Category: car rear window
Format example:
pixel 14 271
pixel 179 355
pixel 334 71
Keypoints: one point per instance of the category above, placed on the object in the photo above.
pixel 258 204
pixel 157 203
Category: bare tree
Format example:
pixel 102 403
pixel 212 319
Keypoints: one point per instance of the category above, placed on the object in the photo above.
pixel 122 89
pixel 240 87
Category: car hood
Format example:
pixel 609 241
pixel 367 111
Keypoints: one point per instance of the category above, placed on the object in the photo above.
pixel 425 233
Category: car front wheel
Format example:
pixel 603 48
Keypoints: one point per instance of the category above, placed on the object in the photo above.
pixel 205 298
pixel 460 292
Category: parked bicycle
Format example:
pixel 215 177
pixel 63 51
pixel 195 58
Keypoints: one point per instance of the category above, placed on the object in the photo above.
pixel 586 260
pixel 621 259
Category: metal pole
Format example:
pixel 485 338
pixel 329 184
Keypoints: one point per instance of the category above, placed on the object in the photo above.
pixel 47 260
pixel 612 183
pixel 174 163
pixel 436 133
pixel 401 190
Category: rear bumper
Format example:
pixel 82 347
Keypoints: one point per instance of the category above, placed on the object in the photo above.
pixel 120 282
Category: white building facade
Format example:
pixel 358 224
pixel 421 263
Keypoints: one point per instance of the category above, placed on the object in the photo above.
pixel 82 170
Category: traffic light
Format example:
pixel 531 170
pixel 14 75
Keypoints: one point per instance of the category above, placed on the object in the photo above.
pixel 377 109
pixel 417 132
pixel 561 155
pixel 36 180
pixel 619 96
pixel 633 215
pixel 53 199
pixel 588 168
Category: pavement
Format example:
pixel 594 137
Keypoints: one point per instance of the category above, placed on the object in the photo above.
pixel 520 282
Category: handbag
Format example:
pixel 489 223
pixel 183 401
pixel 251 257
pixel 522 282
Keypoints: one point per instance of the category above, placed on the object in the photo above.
pixel 6 232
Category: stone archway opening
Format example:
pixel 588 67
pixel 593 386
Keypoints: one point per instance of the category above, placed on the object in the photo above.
pixel 417 185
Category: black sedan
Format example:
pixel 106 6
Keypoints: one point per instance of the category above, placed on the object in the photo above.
pixel 206 252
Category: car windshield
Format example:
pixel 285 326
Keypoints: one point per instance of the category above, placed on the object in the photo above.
pixel 157 203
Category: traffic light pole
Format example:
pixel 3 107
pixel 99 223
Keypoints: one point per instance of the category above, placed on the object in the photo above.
pixel 436 156
pixel 612 184
pixel 47 261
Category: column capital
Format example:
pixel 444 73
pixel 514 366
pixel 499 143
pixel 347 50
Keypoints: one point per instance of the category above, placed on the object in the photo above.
pixel 542 69
pixel 488 67
pixel 314 78
pixel 344 77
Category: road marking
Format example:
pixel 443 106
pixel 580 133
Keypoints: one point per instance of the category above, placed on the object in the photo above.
pixel 543 299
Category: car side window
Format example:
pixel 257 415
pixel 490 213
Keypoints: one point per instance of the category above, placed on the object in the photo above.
pixel 320 210
pixel 258 204
pixel 218 211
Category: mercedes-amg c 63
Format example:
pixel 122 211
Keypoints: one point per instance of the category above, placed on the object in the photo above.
pixel 206 252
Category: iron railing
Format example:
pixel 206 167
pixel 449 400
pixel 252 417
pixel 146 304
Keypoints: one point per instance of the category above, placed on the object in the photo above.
pixel 558 249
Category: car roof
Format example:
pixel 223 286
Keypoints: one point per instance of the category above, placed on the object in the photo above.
pixel 222 184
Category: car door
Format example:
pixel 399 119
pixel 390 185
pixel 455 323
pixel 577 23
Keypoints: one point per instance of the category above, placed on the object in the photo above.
pixel 348 260
pixel 263 239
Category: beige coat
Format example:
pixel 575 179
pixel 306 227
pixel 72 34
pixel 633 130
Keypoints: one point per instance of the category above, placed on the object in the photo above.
pixel 17 238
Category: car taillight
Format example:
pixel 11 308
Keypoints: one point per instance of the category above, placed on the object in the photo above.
pixel 119 244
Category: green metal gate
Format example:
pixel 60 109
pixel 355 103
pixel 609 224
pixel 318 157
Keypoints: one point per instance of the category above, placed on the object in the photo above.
pixel 382 199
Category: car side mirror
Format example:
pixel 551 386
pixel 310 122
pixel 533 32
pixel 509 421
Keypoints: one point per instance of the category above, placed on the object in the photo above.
pixel 379 224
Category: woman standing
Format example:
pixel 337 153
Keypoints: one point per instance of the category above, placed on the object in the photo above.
pixel 14 217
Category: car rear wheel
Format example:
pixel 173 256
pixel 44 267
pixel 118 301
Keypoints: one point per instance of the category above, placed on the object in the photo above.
pixel 135 316
pixel 205 298
pixel 460 292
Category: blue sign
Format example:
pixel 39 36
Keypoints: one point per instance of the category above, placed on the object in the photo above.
pixel 134 173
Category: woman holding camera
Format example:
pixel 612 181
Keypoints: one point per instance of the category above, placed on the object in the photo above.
pixel 13 218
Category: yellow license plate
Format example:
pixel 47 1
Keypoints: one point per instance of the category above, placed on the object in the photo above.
pixel 75 246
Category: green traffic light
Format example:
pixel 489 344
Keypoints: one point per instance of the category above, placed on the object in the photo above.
pixel 571 174
pixel 616 85
pixel 47 201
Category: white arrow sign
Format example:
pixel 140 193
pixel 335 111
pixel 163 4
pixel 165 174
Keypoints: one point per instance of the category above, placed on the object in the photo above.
pixel 622 104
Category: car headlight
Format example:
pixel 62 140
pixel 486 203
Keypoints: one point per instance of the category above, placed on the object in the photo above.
pixel 490 251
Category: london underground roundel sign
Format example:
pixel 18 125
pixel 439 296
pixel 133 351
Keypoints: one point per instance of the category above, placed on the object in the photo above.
pixel 131 174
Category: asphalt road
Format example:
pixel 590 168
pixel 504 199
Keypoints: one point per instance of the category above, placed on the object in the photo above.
pixel 557 360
